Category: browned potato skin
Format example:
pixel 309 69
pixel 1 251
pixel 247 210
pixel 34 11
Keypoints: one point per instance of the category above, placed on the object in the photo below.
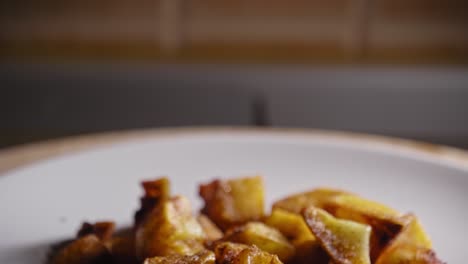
pixel 290 224
pixel 346 242
pixel 411 245
pixel 225 252
pixel 85 250
pixel 233 253
pixel 233 202
pixel 122 247
pixel 264 237
pixel 103 230
pixel 404 254
pixel 169 229
pixel 293 226
pixel 298 202
pixel 309 251
pixel 211 230
pixel 203 257
pixel 155 191
pixel 385 221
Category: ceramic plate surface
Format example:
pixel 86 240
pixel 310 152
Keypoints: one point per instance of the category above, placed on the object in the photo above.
pixel 46 202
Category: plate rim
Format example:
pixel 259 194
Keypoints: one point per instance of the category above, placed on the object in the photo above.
pixel 17 157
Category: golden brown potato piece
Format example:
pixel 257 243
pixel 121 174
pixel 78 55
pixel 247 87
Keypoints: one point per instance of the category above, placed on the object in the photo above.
pixel 296 203
pixel 155 191
pixel 385 221
pixel 264 237
pixel 85 250
pixel 103 230
pixel 353 207
pixel 234 253
pixel 309 251
pixel 404 254
pixel 203 257
pixel 211 230
pixel 411 245
pixel 291 225
pixel 233 202
pixel 225 252
pixel 122 247
pixel 345 241
pixel 169 229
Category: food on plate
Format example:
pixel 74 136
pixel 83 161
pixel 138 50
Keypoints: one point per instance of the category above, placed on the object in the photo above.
pixel 202 257
pixel 266 238
pixel 345 241
pixel 233 202
pixel 103 230
pixel 321 226
pixel 229 252
pixel 87 250
pixel 170 228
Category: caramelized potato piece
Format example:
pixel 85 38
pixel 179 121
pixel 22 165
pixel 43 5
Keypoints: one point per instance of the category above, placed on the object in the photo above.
pixel 225 252
pixel 233 202
pixel 309 251
pixel 155 191
pixel 411 245
pixel 345 241
pixel 296 203
pixel 103 230
pixel 291 225
pixel 211 230
pixel 264 237
pixel 254 255
pixel 413 233
pixel 228 252
pixel 203 257
pixel 122 247
pixel 403 254
pixel 385 221
pixel 85 250
pixel 169 229
pixel 358 209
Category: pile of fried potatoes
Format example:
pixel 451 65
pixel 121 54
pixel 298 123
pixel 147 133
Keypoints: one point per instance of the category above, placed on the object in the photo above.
pixel 323 226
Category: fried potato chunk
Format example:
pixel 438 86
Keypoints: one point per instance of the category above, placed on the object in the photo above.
pixel 203 257
pixel 211 230
pixel 264 237
pixel 296 203
pixel 358 209
pixel 122 247
pixel 291 225
pixel 169 229
pixel 403 254
pixel 294 228
pixel 85 250
pixel 411 245
pixel 103 230
pixel 345 241
pixel 233 202
pixel 386 222
pixel 309 251
pixel 155 191
pixel 228 252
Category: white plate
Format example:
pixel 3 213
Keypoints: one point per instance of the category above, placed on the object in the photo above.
pixel 46 202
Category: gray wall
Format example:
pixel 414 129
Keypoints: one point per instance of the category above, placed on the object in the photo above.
pixel 40 101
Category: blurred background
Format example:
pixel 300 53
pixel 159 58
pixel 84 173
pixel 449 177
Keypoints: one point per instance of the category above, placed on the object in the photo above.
pixel 390 67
